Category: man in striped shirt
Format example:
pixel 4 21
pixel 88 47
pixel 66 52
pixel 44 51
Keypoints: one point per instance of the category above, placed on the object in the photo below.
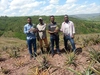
pixel 53 30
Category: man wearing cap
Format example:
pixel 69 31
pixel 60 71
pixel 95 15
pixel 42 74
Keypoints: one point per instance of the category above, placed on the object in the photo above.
pixel 42 34
pixel 30 31
pixel 68 30
pixel 53 30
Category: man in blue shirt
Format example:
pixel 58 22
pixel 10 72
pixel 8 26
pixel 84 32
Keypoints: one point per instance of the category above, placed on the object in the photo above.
pixel 30 31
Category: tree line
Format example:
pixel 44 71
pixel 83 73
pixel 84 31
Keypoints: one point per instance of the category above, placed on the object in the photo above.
pixel 13 26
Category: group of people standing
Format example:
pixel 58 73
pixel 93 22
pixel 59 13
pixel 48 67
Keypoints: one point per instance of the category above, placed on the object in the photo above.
pixel 30 30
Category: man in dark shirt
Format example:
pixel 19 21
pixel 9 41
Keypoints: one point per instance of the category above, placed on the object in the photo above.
pixel 54 36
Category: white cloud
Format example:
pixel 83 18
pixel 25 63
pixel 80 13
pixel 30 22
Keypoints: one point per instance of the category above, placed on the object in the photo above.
pixel 3 4
pixel 50 7
pixel 21 7
pixel 46 7
pixel 54 1
pixel 65 9
pixel 77 9
pixel 87 9
pixel 71 1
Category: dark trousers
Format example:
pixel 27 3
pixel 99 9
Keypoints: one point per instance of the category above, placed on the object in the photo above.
pixel 31 43
pixel 55 40
pixel 66 38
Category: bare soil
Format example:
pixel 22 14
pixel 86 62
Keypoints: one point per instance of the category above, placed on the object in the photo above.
pixel 22 65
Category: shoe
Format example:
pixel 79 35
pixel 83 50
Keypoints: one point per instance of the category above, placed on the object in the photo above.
pixel 48 49
pixel 74 50
pixel 31 56
pixel 35 55
pixel 42 50
pixel 52 54
pixel 58 53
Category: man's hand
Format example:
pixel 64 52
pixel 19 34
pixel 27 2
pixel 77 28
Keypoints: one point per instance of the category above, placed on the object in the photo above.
pixel 29 30
pixel 72 36
pixel 51 32
pixel 56 31
pixel 33 30
pixel 41 30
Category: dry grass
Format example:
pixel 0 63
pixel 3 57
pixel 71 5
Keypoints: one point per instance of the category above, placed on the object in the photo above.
pixel 19 63
pixel 87 40
pixel 9 42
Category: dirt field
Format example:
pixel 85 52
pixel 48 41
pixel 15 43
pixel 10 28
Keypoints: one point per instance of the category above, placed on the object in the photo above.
pixel 17 62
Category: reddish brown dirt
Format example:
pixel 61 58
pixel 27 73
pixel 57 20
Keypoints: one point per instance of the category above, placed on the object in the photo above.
pixel 22 65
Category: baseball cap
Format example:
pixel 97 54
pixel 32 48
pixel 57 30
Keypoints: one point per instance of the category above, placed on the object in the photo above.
pixel 66 16
pixel 40 18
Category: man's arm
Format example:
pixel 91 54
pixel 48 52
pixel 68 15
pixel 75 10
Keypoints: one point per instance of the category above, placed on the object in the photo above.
pixel 51 32
pixel 43 29
pixel 61 28
pixel 57 30
pixel 25 30
pixel 73 30
pixel 34 29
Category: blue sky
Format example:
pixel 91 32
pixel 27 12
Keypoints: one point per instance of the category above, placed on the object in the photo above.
pixel 48 7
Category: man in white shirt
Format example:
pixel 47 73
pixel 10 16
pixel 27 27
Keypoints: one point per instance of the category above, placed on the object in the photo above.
pixel 68 30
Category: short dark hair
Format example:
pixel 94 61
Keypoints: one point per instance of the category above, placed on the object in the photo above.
pixel 29 18
pixel 65 15
pixel 51 16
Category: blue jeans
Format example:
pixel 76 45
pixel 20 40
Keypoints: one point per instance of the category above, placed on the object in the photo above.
pixel 30 43
pixel 66 38
pixel 54 39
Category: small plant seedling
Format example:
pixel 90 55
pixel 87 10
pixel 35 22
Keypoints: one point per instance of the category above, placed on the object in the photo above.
pixel 94 55
pixel 70 59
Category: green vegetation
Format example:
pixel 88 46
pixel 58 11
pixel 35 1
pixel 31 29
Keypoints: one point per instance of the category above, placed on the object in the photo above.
pixel 13 52
pixel 13 26
pixel 95 55
pixel 89 17
pixel 42 68
pixel 87 40
pixel 70 59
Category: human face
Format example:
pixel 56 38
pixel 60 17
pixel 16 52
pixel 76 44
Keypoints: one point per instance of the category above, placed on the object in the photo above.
pixel 52 19
pixel 66 18
pixel 41 21
pixel 29 20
